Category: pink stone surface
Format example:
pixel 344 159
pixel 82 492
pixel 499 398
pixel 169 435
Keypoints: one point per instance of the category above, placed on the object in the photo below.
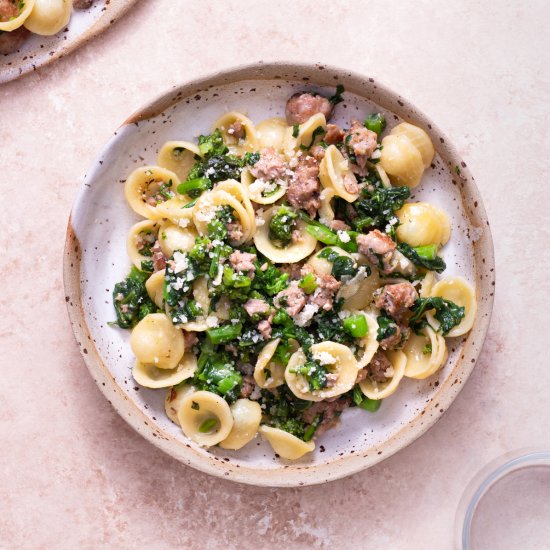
pixel 73 474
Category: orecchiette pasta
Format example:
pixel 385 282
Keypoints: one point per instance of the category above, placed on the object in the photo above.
pixel 269 373
pixel 284 283
pixel 425 353
pixel 419 138
pixel 178 157
pixel 368 344
pixel 16 21
pixel 174 396
pixel 381 390
pixel 305 134
pixel 238 132
pixel 174 237
pixel 48 17
pixel 202 297
pixel 421 224
pixel 149 187
pixel 271 133
pixel 285 444
pixel 141 239
pixel 247 416
pixel 263 192
pixel 155 341
pixel 401 160
pixel 155 287
pixel 150 376
pixel 321 265
pixel 336 358
pixel 457 290
pixel 209 204
pixel 335 173
pixel 296 251
pixel 205 418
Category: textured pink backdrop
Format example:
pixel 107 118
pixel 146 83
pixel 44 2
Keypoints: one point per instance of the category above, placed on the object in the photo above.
pixel 73 474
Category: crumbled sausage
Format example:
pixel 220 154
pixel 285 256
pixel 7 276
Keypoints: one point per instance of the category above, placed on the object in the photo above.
pixel 189 339
pixel 361 141
pixel 242 261
pixel 350 184
pixel 292 298
pixel 237 130
pixel 264 327
pixel 396 299
pixel 12 41
pixel 379 367
pixel 8 10
pixel 334 134
pixel 271 165
pixel 302 106
pixel 159 261
pixel 255 306
pixel 327 287
pixel 304 189
pixel 377 247
pixel 248 385
pixel 396 340
pixel 331 411
pixel 339 225
pixel 317 152
pixel 234 231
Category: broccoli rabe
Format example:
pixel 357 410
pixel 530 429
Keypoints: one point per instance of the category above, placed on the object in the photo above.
pixel 325 235
pixel 376 207
pixel 131 301
pixel 283 410
pixel 314 373
pixel 250 159
pixel 216 373
pixel 364 402
pixel 281 226
pixel 376 123
pixel 447 313
pixel 423 256
pixel 386 327
pixel 341 265
pixel 209 171
pixel 195 187
pixel 270 280
pixel 212 145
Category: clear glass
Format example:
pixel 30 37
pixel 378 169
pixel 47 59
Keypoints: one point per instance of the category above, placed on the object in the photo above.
pixel 507 505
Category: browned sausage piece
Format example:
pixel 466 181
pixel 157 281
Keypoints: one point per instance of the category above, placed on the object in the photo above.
pixel 396 299
pixel 302 106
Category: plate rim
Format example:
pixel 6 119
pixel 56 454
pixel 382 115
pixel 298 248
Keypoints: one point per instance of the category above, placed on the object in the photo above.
pixel 339 467
pixel 112 11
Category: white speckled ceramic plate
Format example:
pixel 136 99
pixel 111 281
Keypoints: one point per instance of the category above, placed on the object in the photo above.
pixel 95 259
pixel 41 50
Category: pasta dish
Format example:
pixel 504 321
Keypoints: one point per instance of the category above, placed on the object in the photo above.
pixel 280 275
pixel 20 18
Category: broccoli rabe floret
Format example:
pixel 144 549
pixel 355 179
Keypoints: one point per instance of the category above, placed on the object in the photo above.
pixel 376 123
pixel 281 226
pixel 269 280
pixel 447 313
pixel 217 373
pixel 283 410
pixel 131 301
pixel 212 145
pixel 423 256
pixel 376 207
pixel 314 373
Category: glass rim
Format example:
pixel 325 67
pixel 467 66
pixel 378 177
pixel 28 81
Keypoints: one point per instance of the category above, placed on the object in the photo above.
pixel 485 479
